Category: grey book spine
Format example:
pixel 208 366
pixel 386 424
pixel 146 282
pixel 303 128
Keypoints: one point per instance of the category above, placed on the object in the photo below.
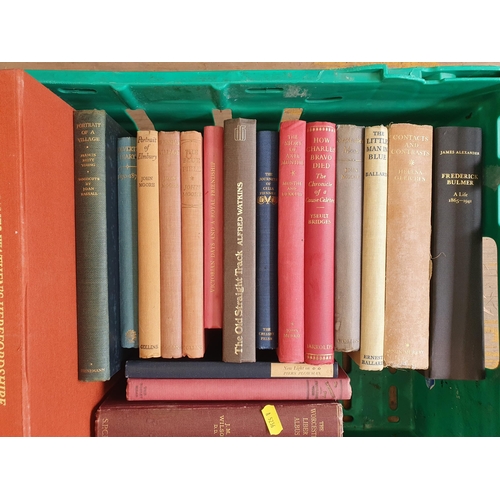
pixel 348 231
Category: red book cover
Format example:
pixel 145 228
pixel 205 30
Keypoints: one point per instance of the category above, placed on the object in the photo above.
pixel 117 417
pixel 292 152
pixel 213 217
pixel 279 389
pixel 38 328
pixel 319 235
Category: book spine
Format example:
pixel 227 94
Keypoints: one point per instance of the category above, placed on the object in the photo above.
pixel 408 249
pixel 456 336
pixel 291 186
pixel 279 389
pixel 213 179
pixel 14 401
pixel 169 167
pixel 238 332
pixel 96 215
pixel 193 333
pixel 371 353
pixel 319 235
pixel 267 240
pixel 348 231
pixel 127 233
pixel 296 419
pixel 141 368
pixel 148 226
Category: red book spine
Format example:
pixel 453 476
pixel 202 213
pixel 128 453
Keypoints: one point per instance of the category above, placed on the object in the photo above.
pixel 299 389
pixel 213 179
pixel 291 177
pixel 319 233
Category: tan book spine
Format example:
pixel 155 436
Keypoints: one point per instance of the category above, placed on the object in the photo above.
pixel 148 243
pixel 193 333
pixel 409 196
pixel 169 157
pixel 373 248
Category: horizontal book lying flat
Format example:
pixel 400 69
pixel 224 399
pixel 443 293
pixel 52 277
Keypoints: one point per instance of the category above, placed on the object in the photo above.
pixel 116 417
pixel 232 389
pixel 194 368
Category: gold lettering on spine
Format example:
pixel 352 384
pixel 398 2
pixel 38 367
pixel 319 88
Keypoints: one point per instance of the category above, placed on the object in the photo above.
pixel 238 272
pixel 458 179
pixel 127 153
pixel 292 158
pixel 3 373
pixel 222 428
pixel 212 230
pixel 88 183
pixel 267 194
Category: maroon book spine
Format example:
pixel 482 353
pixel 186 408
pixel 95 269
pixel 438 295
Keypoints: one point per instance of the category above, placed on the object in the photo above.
pixel 319 234
pixel 119 418
pixel 280 389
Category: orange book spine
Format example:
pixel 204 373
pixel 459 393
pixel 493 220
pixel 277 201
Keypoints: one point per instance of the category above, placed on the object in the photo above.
pixel 169 157
pixel 193 333
pixel 148 243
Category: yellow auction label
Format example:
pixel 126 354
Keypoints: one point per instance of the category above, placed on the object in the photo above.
pixel 272 420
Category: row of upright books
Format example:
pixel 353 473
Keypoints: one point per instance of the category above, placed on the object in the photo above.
pixel 316 238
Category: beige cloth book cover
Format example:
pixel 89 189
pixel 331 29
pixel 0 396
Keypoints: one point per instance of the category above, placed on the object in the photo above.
pixel 170 243
pixel 193 333
pixel 371 351
pixel 148 243
pixel 409 196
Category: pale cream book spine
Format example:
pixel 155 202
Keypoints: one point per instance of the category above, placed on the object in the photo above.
pixel 407 293
pixel 193 332
pixel 148 244
pixel 373 249
pixel 170 244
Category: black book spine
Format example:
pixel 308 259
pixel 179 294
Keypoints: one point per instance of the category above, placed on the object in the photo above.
pixel 456 325
pixel 197 368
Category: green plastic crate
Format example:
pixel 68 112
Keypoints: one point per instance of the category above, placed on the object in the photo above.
pixel 387 403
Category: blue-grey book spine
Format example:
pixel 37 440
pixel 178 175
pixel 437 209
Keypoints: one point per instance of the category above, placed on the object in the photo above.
pixel 100 354
pixel 267 240
pixel 202 369
pixel 127 234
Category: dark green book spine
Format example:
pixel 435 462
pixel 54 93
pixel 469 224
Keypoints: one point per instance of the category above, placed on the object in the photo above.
pixel 97 258
pixel 127 233
pixel 456 315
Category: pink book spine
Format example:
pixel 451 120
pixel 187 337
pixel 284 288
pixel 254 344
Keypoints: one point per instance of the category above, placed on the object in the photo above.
pixel 319 232
pixel 213 179
pixel 328 389
pixel 292 153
